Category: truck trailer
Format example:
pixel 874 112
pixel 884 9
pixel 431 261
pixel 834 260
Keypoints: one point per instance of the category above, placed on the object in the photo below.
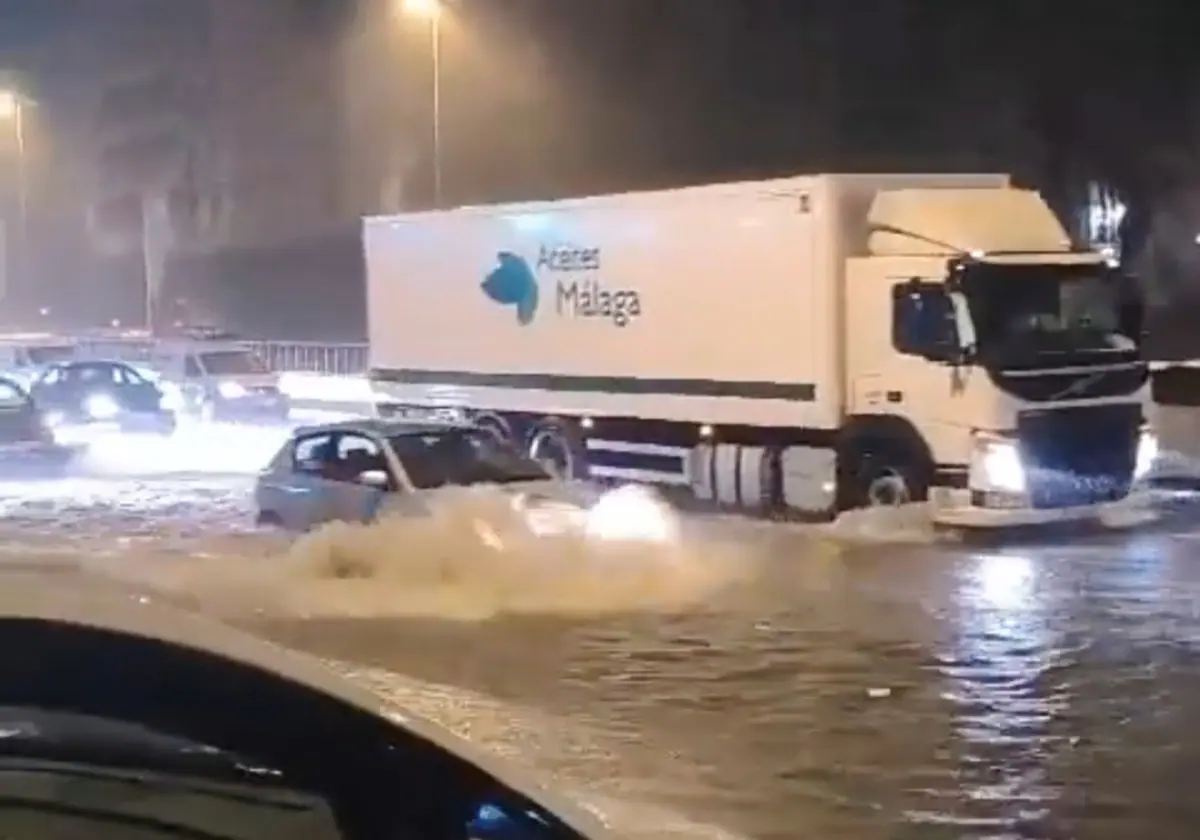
pixel 798 346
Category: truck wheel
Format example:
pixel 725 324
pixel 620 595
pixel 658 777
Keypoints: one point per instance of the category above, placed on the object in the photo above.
pixel 883 476
pixel 497 425
pixel 558 447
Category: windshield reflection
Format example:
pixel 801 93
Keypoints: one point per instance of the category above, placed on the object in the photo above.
pixel 232 362
pixel 463 457
pixel 1027 311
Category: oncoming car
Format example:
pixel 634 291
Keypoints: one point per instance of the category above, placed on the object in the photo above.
pixel 28 446
pixel 359 470
pixel 105 395
pixel 218 380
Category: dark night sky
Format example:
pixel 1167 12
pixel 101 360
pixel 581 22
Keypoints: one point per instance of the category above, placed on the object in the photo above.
pixel 685 89
pixel 646 93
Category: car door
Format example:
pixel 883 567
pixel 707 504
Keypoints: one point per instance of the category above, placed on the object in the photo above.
pixel 299 493
pixel 360 479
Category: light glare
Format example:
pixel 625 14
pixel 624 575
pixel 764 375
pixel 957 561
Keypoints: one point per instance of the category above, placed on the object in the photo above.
pixel 430 9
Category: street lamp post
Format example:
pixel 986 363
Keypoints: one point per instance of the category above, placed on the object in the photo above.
pixel 432 11
pixel 12 108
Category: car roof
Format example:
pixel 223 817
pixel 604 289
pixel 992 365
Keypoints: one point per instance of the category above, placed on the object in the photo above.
pixel 41 597
pixel 86 363
pixel 382 427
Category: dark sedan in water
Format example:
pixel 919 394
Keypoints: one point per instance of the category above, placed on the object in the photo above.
pixel 107 395
pixel 27 443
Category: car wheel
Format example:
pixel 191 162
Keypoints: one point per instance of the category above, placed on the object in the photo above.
pixel 268 519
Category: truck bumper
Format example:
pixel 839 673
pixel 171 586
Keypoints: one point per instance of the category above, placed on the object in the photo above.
pixel 953 509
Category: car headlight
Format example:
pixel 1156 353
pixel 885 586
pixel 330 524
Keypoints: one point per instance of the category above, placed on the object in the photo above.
pixel 998 465
pixel 172 396
pixel 632 514
pixel 1147 454
pixel 231 390
pixel 101 407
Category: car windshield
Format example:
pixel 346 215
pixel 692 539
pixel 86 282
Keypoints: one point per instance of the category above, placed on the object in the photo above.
pixel 463 457
pixel 232 362
pixel 48 354
pixel 1033 311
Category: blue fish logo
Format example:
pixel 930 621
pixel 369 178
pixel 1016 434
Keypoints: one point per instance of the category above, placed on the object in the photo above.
pixel 512 283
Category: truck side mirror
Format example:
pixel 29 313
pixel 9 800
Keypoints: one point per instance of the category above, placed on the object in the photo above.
pixel 923 322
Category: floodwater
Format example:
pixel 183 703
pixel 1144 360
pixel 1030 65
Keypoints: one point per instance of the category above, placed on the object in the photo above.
pixel 861 682
pixel 902 691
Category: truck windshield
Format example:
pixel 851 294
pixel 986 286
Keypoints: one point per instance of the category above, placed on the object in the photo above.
pixel 1034 314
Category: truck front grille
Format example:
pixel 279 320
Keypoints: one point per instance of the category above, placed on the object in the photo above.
pixel 1079 456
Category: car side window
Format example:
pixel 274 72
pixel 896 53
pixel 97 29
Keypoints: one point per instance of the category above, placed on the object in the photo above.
pixel 191 368
pixel 313 455
pixel 358 454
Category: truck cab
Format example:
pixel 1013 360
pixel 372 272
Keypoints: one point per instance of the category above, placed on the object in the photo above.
pixel 1014 358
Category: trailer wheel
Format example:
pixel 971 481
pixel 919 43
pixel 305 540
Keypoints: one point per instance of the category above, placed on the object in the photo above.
pixel 882 474
pixel 495 424
pixel 557 446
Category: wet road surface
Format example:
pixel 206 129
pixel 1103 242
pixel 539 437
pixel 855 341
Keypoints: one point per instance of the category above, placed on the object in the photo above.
pixel 1047 692
pixel 889 691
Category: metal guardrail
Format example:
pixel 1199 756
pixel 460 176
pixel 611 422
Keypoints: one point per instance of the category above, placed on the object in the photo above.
pixel 313 357
pixel 330 359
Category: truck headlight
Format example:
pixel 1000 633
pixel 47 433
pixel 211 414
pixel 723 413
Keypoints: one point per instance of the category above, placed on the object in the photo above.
pixel 1147 454
pixel 231 390
pixel 998 464
pixel 101 407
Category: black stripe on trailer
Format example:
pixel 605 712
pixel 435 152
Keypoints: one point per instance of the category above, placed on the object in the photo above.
pixel 792 391
pixel 633 460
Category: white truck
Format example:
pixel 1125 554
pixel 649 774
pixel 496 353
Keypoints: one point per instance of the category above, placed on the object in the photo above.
pixel 802 345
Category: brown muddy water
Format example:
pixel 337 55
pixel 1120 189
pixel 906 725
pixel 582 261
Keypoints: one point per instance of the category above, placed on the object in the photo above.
pixel 880 691
pixel 779 682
